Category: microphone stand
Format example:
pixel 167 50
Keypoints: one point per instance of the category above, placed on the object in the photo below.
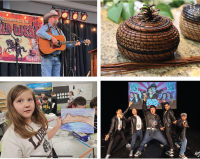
pixel 70 60
pixel 16 45
pixel 71 70
pixel 74 58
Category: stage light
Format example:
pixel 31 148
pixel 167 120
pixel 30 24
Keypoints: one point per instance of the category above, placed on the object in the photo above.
pixel 66 21
pixel 75 16
pixel 84 16
pixel 24 17
pixel 6 14
pixel 64 15
pixel 81 25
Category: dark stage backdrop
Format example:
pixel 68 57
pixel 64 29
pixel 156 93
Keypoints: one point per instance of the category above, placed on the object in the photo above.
pixel 83 65
pixel 114 96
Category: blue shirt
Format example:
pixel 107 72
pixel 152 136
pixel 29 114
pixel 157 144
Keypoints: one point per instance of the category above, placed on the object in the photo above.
pixel 42 32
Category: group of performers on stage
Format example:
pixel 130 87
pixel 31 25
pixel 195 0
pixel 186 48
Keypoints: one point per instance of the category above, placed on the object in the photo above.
pixel 153 127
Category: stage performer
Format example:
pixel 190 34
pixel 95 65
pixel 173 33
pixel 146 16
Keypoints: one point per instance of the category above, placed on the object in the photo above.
pixel 182 125
pixel 117 127
pixel 50 63
pixel 168 118
pixel 153 124
pixel 136 128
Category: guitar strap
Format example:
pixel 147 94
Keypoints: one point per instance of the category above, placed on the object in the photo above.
pixel 49 31
pixel 62 52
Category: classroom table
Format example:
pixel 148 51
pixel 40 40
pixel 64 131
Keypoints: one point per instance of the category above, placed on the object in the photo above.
pixel 62 139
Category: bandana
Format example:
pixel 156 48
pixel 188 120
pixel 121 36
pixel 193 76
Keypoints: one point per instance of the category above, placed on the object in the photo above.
pixel 183 114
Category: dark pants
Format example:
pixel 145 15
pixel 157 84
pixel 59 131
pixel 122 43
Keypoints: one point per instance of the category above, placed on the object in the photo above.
pixel 169 137
pixel 154 135
pixel 134 137
pixel 54 110
pixel 121 133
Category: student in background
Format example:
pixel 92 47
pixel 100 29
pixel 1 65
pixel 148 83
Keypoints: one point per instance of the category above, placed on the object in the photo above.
pixel 26 135
pixel 93 104
pixel 37 100
pixel 46 105
pixel 71 98
pixel 54 102
pixel 42 95
pixel 79 102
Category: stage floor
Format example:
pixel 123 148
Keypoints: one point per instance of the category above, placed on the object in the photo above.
pixel 153 149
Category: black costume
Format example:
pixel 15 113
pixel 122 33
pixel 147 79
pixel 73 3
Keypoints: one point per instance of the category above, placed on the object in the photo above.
pixel 54 100
pixel 114 130
pixel 133 121
pixel 168 118
pixel 153 124
pixel 181 130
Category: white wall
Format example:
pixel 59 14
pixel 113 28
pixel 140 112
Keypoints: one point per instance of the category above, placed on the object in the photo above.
pixel 41 8
pixel 6 86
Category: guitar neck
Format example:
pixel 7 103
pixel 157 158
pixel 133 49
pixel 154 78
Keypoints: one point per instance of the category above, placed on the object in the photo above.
pixel 68 42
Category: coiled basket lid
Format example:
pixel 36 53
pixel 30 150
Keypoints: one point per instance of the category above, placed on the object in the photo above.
pixel 149 40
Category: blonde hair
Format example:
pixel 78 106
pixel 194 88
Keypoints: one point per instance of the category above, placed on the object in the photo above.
pixel 17 120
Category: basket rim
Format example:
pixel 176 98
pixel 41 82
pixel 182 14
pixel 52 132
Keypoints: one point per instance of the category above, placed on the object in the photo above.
pixel 149 52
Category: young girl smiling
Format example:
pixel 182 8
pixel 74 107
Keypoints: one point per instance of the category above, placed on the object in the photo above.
pixel 26 135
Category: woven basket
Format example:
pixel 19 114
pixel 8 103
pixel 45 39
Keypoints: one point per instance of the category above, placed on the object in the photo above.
pixel 190 21
pixel 147 41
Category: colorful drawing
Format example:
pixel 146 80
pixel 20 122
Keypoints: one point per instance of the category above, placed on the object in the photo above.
pixel 39 88
pixel 78 120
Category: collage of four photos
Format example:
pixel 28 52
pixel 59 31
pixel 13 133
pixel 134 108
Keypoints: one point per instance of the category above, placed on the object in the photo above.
pixel 145 73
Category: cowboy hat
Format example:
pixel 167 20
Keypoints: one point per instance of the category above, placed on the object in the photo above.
pixel 51 13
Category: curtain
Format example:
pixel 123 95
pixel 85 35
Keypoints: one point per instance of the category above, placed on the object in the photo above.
pixel 80 58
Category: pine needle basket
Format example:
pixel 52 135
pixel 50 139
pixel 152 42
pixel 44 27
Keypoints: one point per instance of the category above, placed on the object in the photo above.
pixel 190 21
pixel 147 37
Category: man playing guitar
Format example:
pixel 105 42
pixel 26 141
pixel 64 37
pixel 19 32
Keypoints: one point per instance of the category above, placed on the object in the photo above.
pixel 50 63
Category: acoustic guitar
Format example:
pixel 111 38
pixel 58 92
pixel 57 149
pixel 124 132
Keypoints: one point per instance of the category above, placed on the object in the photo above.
pixel 47 46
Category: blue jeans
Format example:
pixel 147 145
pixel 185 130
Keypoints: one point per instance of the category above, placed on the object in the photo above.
pixel 154 135
pixel 50 66
pixel 134 137
pixel 183 146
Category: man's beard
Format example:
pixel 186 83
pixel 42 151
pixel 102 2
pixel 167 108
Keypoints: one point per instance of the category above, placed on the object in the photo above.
pixel 55 22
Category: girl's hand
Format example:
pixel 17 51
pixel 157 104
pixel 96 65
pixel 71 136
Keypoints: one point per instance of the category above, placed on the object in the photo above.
pixel 59 122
